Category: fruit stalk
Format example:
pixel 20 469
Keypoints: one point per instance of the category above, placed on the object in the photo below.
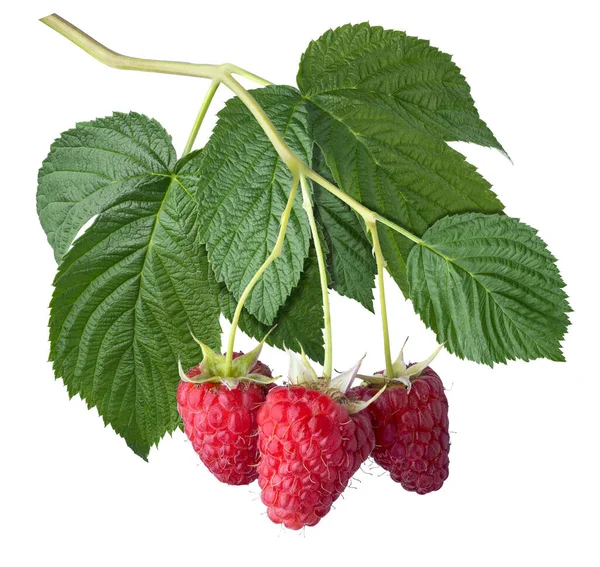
pixel 210 93
pixel 372 227
pixel 308 207
pixel 275 253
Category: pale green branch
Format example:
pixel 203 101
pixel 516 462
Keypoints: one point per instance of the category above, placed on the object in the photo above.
pixel 308 207
pixel 234 69
pixel 118 61
pixel 210 93
pixel 222 73
pixel 275 253
pixel 372 227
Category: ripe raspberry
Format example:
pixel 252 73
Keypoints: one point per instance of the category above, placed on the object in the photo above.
pixel 220 421
pixel 311 445
pixel 411 431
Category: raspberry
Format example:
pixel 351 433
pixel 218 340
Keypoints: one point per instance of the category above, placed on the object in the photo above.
pixel 220 421
pixel 411 431
pixel 310 447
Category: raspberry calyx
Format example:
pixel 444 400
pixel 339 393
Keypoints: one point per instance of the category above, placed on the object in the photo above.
pixel 244 367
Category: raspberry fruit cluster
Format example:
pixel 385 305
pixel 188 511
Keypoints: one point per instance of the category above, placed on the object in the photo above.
pixel 305 440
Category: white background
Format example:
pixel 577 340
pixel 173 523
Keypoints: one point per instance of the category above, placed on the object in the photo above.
pixel 523 486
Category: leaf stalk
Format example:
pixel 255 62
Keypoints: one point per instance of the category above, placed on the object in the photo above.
pixel 275 253
pixel 210 93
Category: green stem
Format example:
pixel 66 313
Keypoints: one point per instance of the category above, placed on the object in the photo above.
pixel 210 93
pixel 308 207
pixel 230 68
pixel 372 226
pixel 282 149
pixel 118 61
pixel 223 74
pixel 367 214
pixel 275 253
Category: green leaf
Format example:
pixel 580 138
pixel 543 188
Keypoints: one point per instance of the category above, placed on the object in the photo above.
pixel 427 86
pixel 91 167
pixel 124 296
pixel 243 187
pixel 488 286
pixel 383 105
pixel 351 263
pixel 299 320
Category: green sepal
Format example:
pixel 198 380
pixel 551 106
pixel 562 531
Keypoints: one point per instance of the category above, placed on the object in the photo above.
pixel 301 373
pixel 212 363
pixel 403 373
pixel 241 365
pixel 213 367
pixel 260 379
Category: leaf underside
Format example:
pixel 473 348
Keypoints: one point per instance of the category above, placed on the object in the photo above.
pixel 490 289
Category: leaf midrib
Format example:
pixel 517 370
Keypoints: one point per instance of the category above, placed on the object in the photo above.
pixel 134 340
pixel 149 246
pixel 488 292
pixel 136 304
pixel 432 174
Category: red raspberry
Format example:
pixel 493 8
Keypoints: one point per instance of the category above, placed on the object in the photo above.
pixel 411 432
pixel 310 447
pixel 221 423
